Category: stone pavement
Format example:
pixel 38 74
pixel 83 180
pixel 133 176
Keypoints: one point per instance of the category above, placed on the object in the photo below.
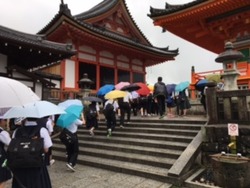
pixel 88 177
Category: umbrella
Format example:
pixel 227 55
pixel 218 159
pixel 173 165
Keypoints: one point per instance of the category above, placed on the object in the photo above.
pixel 213 77
pixel 144 90
pixel 130 87
pixel 135 95
pixel 121 84
pixel 69 102
pixel 15 93
pixel 105 89
pixel 73 112
pixel 37 109
pixel 92 99
pixel 115 94
pixel 201 84
pixel 151 88
pixel 170 88
pixel 181 86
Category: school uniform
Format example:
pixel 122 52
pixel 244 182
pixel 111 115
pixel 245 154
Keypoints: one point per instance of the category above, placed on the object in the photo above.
pixel 37 177
pixel 125 107
pixel 73 148
pixel 111 118
pixel 5 173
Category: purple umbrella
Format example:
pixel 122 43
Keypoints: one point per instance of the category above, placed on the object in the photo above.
pixel 170 88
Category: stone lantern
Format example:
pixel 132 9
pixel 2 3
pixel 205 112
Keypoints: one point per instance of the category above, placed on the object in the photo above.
pixel 228 58
pixel 85 84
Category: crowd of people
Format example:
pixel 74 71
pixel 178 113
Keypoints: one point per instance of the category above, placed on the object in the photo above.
pixel 116 111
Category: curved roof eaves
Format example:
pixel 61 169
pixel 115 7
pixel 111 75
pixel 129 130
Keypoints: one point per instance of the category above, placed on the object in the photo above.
pixel 154 12
pixel 97 10
pixel 123 39
pixel 35 40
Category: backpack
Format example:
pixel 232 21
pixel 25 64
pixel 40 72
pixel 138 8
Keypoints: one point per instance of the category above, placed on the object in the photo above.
pixel 91 112
pixel 160 89
pixel 108 110
pixel 67 137
pixel 2 152
pixel 26 150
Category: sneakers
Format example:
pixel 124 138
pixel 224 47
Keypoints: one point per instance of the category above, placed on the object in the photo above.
pixel 91 132
pixel 161 117
pixel 121 126
pixel 70 167
pixel 109 133
pixel 52 161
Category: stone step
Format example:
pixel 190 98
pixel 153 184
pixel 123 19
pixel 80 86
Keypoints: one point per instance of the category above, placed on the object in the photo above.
pixel 161 137
pixel 156 161
pixel 135 141
pixel 149 124
pixel 151 130
pixel 150 151
pixel 127 167
pixel 142 148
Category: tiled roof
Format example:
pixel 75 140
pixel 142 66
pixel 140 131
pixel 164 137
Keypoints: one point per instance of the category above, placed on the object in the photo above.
pixel 34 41
pixel 98 9
pixel 155 12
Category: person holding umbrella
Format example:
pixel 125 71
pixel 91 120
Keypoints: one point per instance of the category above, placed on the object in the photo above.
pixel 70 123
pixel 110 108
pixel 5 173
pixel 91 117
pixel 32 177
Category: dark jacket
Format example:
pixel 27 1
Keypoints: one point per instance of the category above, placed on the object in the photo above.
pixel 160 89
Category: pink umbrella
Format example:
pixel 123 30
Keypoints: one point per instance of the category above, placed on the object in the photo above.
pixel 121 85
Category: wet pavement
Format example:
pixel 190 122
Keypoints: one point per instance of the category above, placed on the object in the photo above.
pixel 88 177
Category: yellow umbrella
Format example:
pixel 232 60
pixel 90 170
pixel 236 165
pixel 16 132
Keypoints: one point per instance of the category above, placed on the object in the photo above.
pixel 213 77
pixel 151 88
pixel 115 94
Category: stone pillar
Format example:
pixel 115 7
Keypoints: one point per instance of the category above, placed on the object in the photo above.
pixel 229 58
pixel 85 84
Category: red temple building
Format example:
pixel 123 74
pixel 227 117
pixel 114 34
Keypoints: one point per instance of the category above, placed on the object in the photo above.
pixel 209 24
pixel 110 47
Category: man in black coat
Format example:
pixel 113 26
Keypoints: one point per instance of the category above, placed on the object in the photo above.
pixel 160 94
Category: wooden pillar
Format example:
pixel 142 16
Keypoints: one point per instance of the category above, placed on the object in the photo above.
pixel 193 81
pixel 98 76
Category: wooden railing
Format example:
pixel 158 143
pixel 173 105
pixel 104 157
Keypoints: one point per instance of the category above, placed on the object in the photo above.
pixel 228 106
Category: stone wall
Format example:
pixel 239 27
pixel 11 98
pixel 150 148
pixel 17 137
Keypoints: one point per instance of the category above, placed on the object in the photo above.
pixel 216 140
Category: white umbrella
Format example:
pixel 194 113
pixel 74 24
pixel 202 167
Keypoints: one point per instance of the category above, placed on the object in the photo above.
pixel 15 93
pixel 69 102
pixel 37 109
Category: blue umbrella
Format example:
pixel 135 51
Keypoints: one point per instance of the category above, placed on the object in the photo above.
pixel 70 102
pixel 201 84
pixel 170 88
pixel 105 89
pixel 181 86
pixel 73 112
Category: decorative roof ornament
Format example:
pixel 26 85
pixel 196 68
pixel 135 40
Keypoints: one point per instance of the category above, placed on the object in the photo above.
pixel 64 9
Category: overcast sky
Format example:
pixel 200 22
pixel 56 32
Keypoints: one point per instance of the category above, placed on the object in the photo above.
pixel 32 15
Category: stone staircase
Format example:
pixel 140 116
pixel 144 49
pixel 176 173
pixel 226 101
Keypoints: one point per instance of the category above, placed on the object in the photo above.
pixel 145 147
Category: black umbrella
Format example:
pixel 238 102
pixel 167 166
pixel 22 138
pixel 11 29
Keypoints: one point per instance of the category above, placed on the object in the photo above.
pixel 131 87
pixel 92 99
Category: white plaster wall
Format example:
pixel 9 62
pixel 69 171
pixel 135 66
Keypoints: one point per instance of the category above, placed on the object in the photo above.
pixel 38 89
pixel 19 75
pixel 70 74
pixel 3 63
